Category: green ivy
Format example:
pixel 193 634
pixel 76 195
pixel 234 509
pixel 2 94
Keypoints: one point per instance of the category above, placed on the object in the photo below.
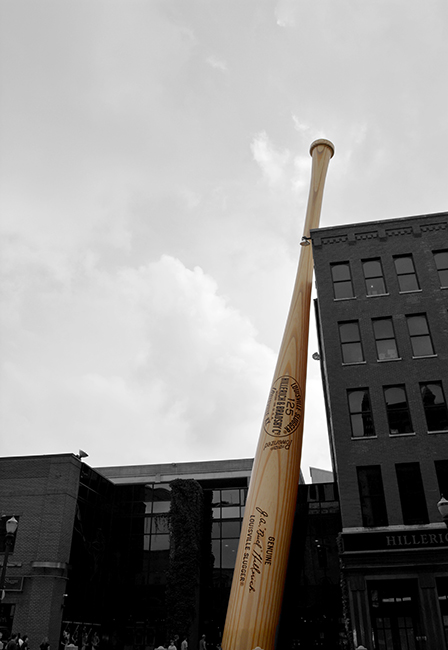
pixel 185 521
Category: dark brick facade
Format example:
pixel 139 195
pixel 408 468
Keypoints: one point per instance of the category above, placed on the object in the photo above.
pixel 418 238
pixel 41 492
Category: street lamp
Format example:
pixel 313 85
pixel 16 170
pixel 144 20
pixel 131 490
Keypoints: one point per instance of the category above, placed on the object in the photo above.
pixel 443 509
pixel 11 527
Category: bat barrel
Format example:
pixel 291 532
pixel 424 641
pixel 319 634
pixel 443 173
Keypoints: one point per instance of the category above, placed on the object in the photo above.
pixel 260 569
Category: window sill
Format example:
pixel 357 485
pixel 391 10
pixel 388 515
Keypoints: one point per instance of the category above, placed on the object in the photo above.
pixel 391 359
pixel 411 291
pixel 341 299
pixel 438 431
pixel 365 438
pixel 401 435
pixel 354 363
pixel 376 295
pixel 426 356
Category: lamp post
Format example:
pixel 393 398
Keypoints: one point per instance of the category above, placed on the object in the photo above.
pixel 443 509
pixel 11 527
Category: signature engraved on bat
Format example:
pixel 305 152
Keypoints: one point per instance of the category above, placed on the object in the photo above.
pixel 256 551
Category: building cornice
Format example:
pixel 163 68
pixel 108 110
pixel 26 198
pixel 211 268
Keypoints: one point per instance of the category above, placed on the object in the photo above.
pixel 381 230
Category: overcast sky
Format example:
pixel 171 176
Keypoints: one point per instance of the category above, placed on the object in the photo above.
pixel 154 176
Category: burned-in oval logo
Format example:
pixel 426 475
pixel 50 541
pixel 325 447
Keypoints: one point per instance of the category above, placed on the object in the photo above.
pixel 284 410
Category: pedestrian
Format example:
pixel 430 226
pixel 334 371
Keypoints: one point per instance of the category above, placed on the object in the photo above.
pixel 12 643
pixel 184 644
pixel 172 646
pixel 202 643
pixel 25 642
pixel 45 645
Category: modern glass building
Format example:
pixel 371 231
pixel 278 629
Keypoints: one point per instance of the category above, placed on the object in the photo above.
pixel 126 557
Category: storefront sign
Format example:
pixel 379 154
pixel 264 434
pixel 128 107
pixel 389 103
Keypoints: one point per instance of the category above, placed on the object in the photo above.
pixel 13 584
pixel 395 540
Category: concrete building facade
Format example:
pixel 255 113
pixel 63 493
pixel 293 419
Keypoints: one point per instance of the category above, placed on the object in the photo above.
pixel 382 313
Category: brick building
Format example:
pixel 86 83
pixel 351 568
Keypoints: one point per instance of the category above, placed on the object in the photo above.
pixel 382 313
pixel 41 492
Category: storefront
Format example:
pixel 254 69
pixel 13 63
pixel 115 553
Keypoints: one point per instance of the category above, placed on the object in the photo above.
pixel 397 584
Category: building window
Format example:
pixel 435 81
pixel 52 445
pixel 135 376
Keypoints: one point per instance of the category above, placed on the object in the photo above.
pixel 157 506
pixel 160 539
pixel 225 539
pixel 434 404
pixel 441 260
pixel 321 492
pixel 228 511
pixel 442 591
pixel 157 498
pixel 397 409
pixel 228 504
pixel 342 280
pixel 350 342
pixel 412 494
pixel 407 277
pixel 371 495
pixel 420 336
pixel 386 346
pixel 373 274
pixel 360 413
pixel 442 476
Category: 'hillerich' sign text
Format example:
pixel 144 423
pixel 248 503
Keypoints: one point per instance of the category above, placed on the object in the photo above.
pixel 397 540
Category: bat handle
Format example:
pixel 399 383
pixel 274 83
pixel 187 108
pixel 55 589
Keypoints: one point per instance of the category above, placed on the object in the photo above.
pixel 321 152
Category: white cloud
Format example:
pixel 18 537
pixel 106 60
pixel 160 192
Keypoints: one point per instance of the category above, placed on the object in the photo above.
pixel 139 365
pixel 300 126
pixel 109 111
pixel 271 162
pixel 192 199
pixel 216 63
pixel 301 178
pixel 308 132
pixel 285 13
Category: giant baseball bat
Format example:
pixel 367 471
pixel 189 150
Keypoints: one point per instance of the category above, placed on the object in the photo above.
pixel 260 570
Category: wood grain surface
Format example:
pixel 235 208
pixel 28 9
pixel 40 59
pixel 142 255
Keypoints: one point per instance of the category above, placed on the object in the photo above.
pixel 260 570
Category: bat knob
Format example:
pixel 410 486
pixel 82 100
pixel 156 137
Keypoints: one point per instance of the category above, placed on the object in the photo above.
pixel 322 142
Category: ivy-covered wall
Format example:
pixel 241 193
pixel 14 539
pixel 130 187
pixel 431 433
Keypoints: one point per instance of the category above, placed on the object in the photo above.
pixel 183 579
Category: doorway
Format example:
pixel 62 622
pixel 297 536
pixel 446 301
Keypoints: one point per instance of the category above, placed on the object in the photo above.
pixel 394 614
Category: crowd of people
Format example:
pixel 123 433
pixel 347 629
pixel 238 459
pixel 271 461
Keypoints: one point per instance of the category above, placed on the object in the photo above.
pixel 18 642
pixel 176 644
